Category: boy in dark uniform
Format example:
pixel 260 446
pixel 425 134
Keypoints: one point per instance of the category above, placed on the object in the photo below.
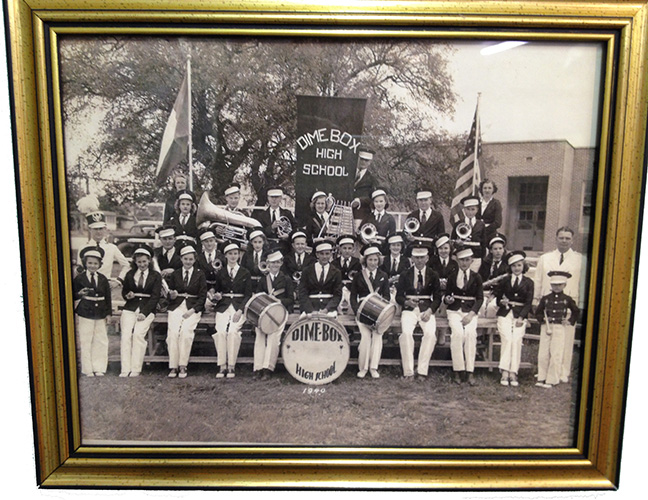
pixel 255 255
pixel 419 294
pixel 464 296
pixel 555 311
pixel 92 291
pixel 279 285
pixel 210 259
pixel 348 266
pixel 233 290
pixel 320 287
pixel 298 259
pixel 475 240
pixel 187 295
pixel 395 263
pixel 275 220
pixel 444 265
pixel 184 221
pixel 431 223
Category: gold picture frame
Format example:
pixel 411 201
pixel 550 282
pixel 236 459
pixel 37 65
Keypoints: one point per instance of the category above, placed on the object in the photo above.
pixel 33 26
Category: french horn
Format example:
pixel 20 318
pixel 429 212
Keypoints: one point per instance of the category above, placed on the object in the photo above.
pixel 285 227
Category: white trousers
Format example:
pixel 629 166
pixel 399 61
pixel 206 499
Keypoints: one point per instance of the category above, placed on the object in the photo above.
pixel 550 353
pixel 409 320
pixel 568 352
pixel 227 338
pixel 369 349
pixel 476 264
pixel 489 307
pixel 463 341
pixel 133 340
pixel 180 335
pixel 266 349
pixel 511 336
pixel 93 343
pixel 346 299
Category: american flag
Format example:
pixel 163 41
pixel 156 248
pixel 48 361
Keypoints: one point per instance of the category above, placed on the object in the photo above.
pixel 469 172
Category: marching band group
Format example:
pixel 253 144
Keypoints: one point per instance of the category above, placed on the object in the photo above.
pixel 422 271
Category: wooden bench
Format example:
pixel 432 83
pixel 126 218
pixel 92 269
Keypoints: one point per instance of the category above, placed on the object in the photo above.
pixel 488 339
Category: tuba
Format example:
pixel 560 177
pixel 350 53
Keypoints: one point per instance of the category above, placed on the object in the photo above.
pixel 369 233
pixel 229 226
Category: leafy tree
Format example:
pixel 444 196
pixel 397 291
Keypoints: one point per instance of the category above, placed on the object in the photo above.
pixel 244 108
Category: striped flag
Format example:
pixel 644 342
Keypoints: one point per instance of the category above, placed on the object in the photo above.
pixel 469 172
pixel 175 140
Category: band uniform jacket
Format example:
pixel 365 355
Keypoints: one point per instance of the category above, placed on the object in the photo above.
pixel 197 286
pixel 208 267
pixel 88 308
pixel 385 228
pixel 433 226
pixel 282 288
pixel 477 235
pixel 557 305
pixel 241 284
pixel 189 230
pixel 474 288
pixel 523 293
pixel 265 218
pixel 393 274
pixel 354 265
pixel 431 288
pixel 163 262
pixel 441 270
pixel 290 265
pixel 487 272
pixel 360 288
pixel 309 285
pixel 313 227
pixel 362 190
pixel 247 261
pixel 152 287
pixel 492 217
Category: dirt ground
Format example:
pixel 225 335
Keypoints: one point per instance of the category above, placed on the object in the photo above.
pixel 387 412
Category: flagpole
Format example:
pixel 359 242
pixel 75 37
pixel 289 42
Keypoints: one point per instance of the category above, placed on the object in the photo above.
pixel 189 146
pixel 477 137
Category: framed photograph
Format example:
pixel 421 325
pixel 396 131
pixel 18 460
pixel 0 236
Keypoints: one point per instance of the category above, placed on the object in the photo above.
pixel 382 246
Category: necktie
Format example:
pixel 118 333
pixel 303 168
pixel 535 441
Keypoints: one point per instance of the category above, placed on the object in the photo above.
pixel 444 263
pixel 231 272
pixel 140 282
pixel 256 259
pixel 93 280
pixel 186 278
pixel 321 279
pixel 419 282
pixel 165 254
pixel 299 261
pixel 423 218
pixel 345 265
pixel 465 279
pixel 183 220
pixel 378 218
pixel 274 216
pixel 371 277
pixel 493 268
pixel 470 223
pixel 562 258
pixel 393 268
pixel 517 282
pixel 358 175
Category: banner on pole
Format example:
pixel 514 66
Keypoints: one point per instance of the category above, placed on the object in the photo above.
pixel 329 131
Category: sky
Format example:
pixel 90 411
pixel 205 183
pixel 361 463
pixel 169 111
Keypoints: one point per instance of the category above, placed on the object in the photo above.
pixel 537 91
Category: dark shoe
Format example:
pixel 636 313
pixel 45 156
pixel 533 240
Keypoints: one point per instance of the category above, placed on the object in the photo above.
pixel 257 374
pixel 267 374
pixel 457 377
pixel 471 379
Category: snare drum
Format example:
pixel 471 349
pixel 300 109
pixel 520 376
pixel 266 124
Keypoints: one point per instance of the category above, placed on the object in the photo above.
pixel 377 312
pixel 266 312
pixel 315 350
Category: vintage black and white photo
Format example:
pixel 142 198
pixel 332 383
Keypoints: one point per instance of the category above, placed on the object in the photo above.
pixel 330 241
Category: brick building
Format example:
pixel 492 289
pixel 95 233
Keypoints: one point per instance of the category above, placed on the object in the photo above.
pixel 542 185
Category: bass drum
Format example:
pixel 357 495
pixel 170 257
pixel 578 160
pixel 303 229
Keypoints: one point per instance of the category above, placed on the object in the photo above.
pixel 315 350
pixel 375 311
pixel 266 312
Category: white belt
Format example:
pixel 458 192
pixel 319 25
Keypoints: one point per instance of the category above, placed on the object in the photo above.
pixel 463 297
pixel 232 295
pixel 418 297
pixel 511 303
pixel 321 296
pixel 187 296
pixel 142 294
pixel 95 299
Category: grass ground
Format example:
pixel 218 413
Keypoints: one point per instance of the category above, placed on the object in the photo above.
pixel 386 412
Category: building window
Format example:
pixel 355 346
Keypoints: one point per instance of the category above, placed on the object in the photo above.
pixel 586 206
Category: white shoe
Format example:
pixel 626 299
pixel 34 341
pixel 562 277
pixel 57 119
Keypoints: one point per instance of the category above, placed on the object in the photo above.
pixel 134 374
pixel 514 383
pixel 361 374
pixel 123 374
pixel 504 381
pixel 173 373
pixel 99 374
pixel 89 374
pixel 564 380
pixel 374 373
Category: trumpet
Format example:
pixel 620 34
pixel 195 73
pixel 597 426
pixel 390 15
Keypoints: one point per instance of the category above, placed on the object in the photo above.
pixel 263 267
pixel 463 231
pixel 285 227
pixel 296 276
pixel 217 264
pixel 369 233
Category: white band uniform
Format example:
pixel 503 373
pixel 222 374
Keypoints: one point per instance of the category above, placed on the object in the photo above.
pixel 511 335
pixel 463 341
pixel 180 335
pixel 133 340
pixel 409 320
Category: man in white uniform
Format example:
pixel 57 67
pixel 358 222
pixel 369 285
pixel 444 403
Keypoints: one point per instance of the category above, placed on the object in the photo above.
pixel 563 259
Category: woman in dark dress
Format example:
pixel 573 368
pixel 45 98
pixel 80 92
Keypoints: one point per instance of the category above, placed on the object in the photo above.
pixel 490 209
